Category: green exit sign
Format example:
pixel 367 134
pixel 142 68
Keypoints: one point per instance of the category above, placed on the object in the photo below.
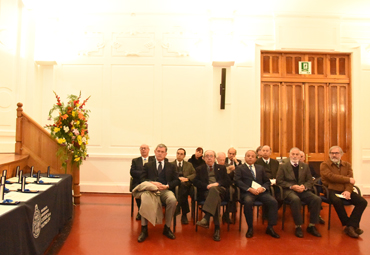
pixel 304 67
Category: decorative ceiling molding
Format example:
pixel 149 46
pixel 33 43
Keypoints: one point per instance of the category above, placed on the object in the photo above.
pixel 134 42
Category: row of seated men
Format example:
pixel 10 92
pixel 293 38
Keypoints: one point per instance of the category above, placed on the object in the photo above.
pixel 254 179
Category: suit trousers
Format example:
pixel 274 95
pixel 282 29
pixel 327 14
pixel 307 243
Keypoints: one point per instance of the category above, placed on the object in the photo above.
pixel 184 191
pixel 213 200
pixel 313 202
pixel 267 200
pixel 168 198
pixel 359 202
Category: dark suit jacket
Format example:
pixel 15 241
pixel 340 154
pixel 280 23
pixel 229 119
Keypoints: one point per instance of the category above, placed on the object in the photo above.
pixel 187 169
pixel 286 178
pixel 227 161
pixel 150 173
pixel 244 177
pixel 137 169
pixel 201 179
pixel 271 168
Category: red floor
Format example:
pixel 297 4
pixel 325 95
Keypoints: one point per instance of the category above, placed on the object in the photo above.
pixel 102 225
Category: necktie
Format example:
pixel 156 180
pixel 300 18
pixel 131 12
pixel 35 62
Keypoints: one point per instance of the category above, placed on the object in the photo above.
pixel 210 169
pixel 254 176
pixel 295 165
pixel 160 167
pixel 180 165
pixel 144 161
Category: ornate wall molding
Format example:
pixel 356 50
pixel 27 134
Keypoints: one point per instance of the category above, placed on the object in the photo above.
pixel 133 42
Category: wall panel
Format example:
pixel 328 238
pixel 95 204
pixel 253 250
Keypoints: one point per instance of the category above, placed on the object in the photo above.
pixel 131 105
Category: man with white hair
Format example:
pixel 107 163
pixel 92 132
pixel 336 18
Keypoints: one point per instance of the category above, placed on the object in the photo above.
pixel 337 175
pixel 296 180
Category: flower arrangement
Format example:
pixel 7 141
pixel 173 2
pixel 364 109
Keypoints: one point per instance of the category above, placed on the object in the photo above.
pixel 70 129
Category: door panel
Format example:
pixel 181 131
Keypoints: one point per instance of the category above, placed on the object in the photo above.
pixel 311 112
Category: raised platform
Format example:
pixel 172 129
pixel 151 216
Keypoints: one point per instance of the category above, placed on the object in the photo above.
pixel 9 162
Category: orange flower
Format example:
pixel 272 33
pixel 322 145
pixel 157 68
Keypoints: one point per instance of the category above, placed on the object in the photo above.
pixel 81 116
pixel 64 116
pixel 82 132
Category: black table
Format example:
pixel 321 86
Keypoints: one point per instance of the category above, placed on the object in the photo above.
pixel 31 226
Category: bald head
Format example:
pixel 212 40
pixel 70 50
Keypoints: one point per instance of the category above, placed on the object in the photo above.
pixel 221 158
pixel 144 150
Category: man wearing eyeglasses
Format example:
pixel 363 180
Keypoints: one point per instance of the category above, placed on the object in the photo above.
pixel 337 175
pixel 212 183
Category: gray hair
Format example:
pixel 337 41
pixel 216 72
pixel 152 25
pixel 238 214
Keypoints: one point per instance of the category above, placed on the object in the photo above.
pixel 214 153
pixel 336 147
pixel 294 148
pixel 161 145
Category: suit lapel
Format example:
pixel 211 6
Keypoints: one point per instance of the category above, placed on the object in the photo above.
pixel 291 172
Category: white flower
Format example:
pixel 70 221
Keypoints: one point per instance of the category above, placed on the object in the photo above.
pixel 66 129
pixel 84 139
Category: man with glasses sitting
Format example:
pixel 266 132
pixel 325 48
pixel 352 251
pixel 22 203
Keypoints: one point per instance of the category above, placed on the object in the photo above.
pixel 337 175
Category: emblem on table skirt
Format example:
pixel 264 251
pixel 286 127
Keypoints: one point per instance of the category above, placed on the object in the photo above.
pixel 36 224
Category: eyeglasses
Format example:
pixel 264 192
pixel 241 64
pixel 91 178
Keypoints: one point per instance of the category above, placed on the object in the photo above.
pixel 209 156
pixel 334 153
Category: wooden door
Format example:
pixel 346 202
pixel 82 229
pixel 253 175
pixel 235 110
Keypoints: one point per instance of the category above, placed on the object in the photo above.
pixel 311 112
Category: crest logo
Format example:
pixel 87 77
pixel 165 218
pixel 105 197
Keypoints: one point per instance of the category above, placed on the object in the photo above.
pixel 36 224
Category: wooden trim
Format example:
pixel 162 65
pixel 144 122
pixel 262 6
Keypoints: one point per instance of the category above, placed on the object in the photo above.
pixel 305 79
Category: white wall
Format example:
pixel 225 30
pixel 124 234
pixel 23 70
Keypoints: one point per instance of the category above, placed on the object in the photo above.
pixel 148 68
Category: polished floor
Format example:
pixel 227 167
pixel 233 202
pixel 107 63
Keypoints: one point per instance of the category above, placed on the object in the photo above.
pixel 102 225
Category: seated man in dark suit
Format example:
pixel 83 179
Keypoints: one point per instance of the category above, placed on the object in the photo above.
pixel 271 165
pixel 164 175
pixel 231 159
pixel 136 170
pixel 296 180
pixel 254 185
pixel 212 183
pixel 186 173
pixel 337 175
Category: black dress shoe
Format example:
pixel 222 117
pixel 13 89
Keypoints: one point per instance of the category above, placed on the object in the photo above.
pixel 167 232
pixel 270 231
pixel 138 216
pixel 350 231
pixel 321 220
pixel 313 231
pixel 299 232
pixel 249 233
pixel 184 219
pixel 216 235
pixel 143 235
pixel 359 231
pixel 203 223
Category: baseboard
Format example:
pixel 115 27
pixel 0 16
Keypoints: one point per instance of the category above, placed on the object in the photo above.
pixel 105 187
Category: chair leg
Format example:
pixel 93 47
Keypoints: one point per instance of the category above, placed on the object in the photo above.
pixel 193 211
pixel 132 205
pixel 329 216
pixel 240 217
pixel 282 221
pixel 196 217
pixel 303 213
pixel 174 222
